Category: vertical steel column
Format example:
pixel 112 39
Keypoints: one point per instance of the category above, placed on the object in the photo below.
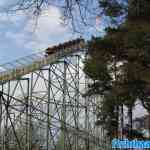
pixel 64 106
pixel 87 145
pixel 30 114
pixel 1 137
pixel 6 140
pixel 76 99
pixel 27 114
pixel 48 108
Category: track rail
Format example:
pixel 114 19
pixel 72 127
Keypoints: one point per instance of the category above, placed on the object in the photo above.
pixel 25 65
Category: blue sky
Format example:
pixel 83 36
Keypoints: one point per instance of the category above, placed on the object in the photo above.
pixel 20 36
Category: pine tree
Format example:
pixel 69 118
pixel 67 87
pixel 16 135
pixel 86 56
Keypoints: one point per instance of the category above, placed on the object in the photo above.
pixel 120 61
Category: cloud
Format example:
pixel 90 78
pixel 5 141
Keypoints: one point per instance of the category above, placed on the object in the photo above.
pixel 20 36
pixel 48 31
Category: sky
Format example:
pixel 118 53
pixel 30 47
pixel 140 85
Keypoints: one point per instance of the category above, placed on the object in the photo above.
pixel 21 34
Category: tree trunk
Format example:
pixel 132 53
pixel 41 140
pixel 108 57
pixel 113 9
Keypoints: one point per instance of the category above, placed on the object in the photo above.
pixel 122 121
pixel 130 120
pixel 149 124
pixel 117 120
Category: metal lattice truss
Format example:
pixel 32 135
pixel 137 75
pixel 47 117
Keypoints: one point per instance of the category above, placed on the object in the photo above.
pixel 45 110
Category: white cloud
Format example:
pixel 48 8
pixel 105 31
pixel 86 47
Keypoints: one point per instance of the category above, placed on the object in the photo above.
pixel 48 31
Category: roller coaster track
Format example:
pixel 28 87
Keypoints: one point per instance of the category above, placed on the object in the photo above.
pixel 46 92
pixel 25 65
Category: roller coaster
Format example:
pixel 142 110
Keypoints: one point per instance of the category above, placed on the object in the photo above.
pixel 42 106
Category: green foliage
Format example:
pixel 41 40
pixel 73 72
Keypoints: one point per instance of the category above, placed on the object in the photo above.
pixel 139 10
pixel 121 61
pixel 112 8
pixel 97 70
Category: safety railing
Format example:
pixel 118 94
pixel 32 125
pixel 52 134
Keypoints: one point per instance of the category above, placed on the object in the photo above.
pixel 25 65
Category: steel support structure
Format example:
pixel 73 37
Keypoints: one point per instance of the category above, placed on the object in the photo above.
pixel 46 110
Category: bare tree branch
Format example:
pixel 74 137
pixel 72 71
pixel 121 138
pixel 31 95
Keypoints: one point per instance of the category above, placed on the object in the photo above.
pixel 73 11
